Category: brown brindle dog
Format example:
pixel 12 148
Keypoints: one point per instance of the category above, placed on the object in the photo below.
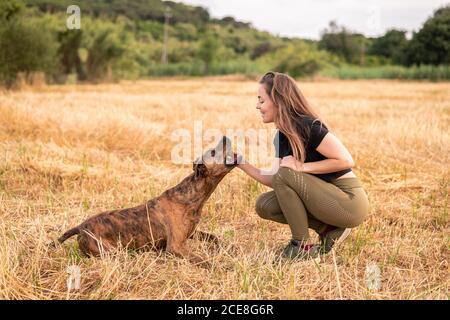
pixel 166 221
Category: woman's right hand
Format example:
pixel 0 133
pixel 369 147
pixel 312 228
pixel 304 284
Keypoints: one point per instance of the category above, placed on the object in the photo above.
pixel 240 160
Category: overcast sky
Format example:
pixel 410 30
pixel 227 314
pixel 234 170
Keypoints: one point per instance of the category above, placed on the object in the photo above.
pixel 307 18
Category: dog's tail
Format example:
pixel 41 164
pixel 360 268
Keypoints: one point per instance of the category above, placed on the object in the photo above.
pixel 69 234
pixel 65 236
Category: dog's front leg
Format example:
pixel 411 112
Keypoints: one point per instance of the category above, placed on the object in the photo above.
pixel 179 249
pixel 205 236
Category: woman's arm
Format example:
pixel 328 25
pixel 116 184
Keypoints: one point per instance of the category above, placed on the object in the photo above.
pixel 338 158
pixel 262 176
pixel 326 166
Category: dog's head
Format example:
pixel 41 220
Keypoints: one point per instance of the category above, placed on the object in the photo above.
pixel 217 161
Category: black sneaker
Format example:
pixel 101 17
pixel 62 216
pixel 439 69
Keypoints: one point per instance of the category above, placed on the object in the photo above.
pixel 296 250
pixel 331 237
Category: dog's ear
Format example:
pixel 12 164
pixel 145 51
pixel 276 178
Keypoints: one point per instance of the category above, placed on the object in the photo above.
pixel 199 169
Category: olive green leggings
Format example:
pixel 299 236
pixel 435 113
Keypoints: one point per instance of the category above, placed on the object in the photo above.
pixel 305 201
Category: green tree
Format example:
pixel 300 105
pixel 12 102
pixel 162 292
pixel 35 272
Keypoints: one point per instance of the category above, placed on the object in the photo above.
pixel 9 9
pixel 208 50
pixel 25 46
pixel 261 49
pixel 299 59
pixel 431 44
pixel 106 43
pixel 343 43
pixel 69 45
pixel 390 45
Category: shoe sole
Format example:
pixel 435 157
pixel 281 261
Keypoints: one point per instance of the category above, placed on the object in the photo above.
pixel 339 240
pixel 343 236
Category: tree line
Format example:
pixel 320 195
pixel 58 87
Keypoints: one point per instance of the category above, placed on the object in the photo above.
pixel 125 39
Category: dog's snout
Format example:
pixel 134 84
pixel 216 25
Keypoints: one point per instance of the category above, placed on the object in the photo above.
pixel 232 159
pixel 237 158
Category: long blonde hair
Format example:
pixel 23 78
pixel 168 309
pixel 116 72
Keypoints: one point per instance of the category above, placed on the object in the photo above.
pixel 291 107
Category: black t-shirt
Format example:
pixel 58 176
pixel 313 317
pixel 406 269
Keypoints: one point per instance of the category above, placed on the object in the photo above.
pixel 314 133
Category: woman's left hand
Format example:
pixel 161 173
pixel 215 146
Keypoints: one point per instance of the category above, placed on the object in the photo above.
pixel 291 162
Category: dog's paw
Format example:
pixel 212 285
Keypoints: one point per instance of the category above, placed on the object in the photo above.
pixel 200 261
pixel 232 250
pixel 204 264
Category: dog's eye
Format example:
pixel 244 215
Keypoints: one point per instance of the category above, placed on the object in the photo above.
pixel 213 153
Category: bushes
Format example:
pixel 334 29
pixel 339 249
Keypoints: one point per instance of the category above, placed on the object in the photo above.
pixel 195 68
pixel 299 59
pixel 255 68
pixel 36 50
pixel 104 49
pixel 198 68
pixel 434 73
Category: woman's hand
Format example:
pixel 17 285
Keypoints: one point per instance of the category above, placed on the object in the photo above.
pixel 291 162
pixel 241 160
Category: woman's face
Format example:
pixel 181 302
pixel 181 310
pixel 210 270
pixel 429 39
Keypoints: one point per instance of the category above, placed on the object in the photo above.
pixel 265 105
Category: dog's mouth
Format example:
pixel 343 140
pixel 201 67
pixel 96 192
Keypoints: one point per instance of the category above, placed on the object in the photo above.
pixel 231 160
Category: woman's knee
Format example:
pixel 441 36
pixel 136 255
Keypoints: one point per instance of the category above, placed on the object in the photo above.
pixel 358 218
pixel 259 206
pixel 360 212
pixel 262 205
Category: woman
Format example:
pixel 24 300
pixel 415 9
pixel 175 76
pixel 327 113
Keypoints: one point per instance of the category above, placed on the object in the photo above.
pixel 314 186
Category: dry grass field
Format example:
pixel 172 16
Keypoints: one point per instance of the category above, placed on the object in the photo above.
pixel 68 152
